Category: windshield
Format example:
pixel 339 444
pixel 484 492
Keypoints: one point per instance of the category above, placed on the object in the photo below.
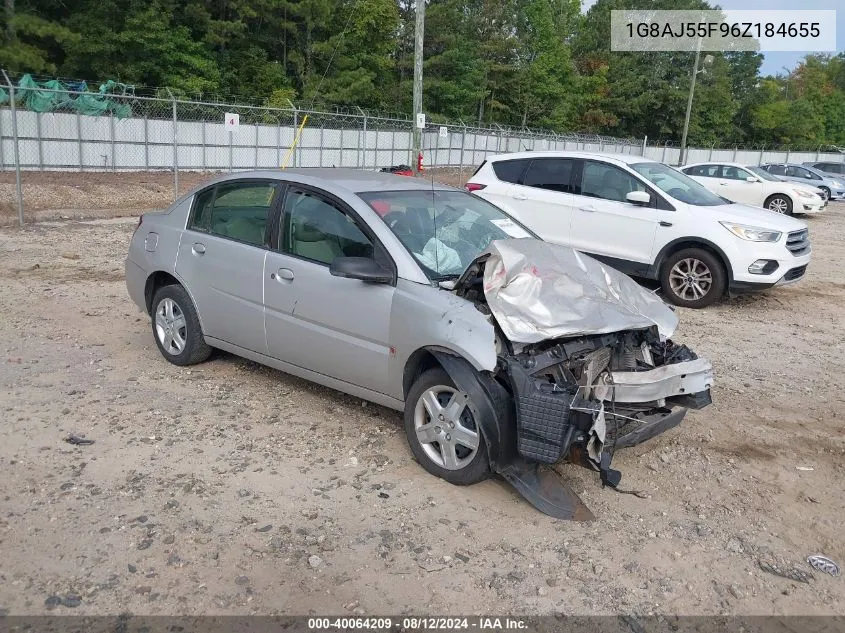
pixel 762 173
pixel 443 230
pixel 678 185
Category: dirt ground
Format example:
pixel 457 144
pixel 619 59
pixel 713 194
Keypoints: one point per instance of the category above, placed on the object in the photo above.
pixel 230 488
pixel 57 195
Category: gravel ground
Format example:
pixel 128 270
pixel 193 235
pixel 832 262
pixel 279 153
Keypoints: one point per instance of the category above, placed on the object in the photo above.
pixel 230 488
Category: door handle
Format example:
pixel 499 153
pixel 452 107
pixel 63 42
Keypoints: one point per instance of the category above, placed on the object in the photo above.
pixel 665 223
pixel 198 248
pixel 588 209
pixel 284 274
pixel 519 196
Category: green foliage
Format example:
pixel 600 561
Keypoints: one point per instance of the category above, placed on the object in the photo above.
pixel 532 63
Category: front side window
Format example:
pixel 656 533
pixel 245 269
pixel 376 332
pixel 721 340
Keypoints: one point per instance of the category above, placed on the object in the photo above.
pixel 678 185
pixel 777 170
pixel 443 230
pixel 554 174
pixel 317 229
pixel 762 174
pixel 607 182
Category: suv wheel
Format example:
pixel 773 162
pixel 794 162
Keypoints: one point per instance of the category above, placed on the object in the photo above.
pixel 779 204
pixel 176 327
pixel 441 430
pixel 693 278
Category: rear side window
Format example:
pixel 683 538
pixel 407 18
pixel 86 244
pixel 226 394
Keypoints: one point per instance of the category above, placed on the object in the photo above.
pixel 834 168
pixel 707 171
pixel 777 170
pixel 240 211
pixel 202 210
pixel 554 174
pixel 509 170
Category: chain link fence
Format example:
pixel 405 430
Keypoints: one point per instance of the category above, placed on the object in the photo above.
pixel 48 129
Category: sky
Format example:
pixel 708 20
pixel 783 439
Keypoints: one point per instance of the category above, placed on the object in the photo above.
pixel 775 61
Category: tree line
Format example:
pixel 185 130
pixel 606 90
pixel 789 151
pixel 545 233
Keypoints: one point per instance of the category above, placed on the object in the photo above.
pixel 531 63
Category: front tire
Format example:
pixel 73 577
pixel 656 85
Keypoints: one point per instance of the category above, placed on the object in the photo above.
pixel 442 432
pixel 779 203
pixel 176 327
pixel 693 278
pixel 825 193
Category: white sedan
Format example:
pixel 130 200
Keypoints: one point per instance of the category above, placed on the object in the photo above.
pixel 756 187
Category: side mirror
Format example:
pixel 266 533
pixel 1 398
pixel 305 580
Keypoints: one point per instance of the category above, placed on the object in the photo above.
pixel 362 268
pixel 751 179
pixel 638 197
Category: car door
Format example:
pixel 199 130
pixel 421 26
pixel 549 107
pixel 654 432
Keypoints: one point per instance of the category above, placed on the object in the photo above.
pixel 221 259
pixel 604 223
pixel 334 326
pixel 543 200
pixel 738 188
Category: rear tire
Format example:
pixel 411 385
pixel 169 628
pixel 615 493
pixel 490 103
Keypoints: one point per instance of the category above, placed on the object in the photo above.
pixel 779 203
pixel 176 327
pixel 826 193
pixel 693 278
pixel 442 433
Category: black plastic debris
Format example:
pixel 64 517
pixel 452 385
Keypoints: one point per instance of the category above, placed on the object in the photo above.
pixel 77 440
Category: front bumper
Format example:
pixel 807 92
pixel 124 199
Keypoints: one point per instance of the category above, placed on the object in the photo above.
pixel 689 377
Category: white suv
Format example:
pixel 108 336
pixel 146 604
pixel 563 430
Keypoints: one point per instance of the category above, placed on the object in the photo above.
pixel 647 219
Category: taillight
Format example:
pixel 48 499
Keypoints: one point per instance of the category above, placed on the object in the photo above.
pixel 473 186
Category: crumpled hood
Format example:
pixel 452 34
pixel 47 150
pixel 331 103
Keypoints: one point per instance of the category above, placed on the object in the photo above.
pixel 538 290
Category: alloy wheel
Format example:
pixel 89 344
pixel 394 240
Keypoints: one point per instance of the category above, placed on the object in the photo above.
pixel 445 427
pixel 690 279
pixel 778 205
pixel 171 326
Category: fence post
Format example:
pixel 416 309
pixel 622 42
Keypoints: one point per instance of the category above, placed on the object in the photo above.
pixel 79 139
pixel 787 155
pixel 146 143
pixel 175 150
pixel 111 133
pixel 463 142
pixel 735 150
pixel 665 147
pixel 40 143
pixel 710 156
pixel 256 146
pixel 761 154
pixel 645 141
pixel 279 142
pixel 364 144
pixel 16 149
pixel 202 132
pixel 818 153
pixel 295 128
pixel 322 130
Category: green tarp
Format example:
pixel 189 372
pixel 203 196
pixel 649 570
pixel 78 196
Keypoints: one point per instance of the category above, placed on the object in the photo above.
pixel 53 95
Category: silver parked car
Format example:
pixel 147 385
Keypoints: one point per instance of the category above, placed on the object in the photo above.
pixel 504 352
pixel 831 186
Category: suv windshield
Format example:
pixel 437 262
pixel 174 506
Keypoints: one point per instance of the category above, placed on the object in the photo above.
pixel 762 173
pixel 678 185
pixel 443 230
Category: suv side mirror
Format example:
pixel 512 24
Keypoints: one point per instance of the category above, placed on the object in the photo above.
pixel 638 197
pixel 362 268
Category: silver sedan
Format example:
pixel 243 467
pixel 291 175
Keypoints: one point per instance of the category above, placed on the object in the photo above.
pixel 504 352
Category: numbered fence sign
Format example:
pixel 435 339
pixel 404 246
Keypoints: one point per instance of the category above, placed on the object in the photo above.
pixel 232 121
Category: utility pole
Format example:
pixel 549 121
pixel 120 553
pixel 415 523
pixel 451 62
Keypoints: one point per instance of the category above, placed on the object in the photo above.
pixel 418 81
pixel 708 59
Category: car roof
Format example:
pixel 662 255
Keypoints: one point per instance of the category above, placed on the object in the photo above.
pixel 626 159
pixel 337 179
pixel 718 162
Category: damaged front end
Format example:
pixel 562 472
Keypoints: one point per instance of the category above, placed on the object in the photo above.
pixel 584 356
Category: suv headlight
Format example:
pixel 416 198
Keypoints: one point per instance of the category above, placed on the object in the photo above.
pixel 803 194
pixel 752 233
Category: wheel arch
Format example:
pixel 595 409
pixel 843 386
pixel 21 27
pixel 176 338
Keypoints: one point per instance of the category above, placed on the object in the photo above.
pixel 427 357
pixel 681 243
pixel 159 279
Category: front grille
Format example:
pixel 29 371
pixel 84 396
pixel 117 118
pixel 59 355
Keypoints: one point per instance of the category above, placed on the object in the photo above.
pixel 795 273
pixel 798 242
